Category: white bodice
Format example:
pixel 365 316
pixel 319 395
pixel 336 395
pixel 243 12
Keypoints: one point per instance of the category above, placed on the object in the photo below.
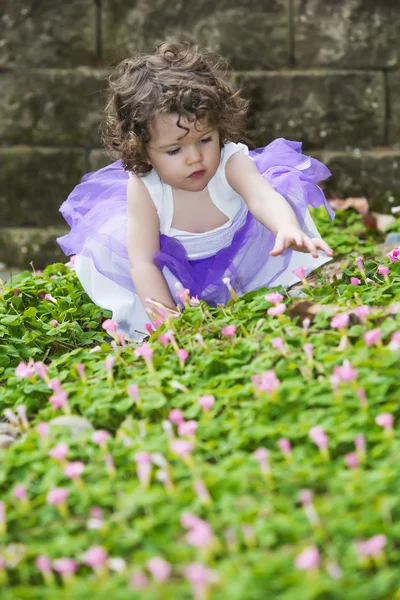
pixel 202 245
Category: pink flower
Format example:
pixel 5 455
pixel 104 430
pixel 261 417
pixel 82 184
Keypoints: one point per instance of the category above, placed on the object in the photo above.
pixel 139 580
pixel 267 382
pixel 371 547
pixel 340 321
pixel 109 363
pixel 199 576
pixel 308 349
pixel 176 416
pixel 362 312
pixel 55 385
pixel 59 399
pixel 351 460
pixel 276 310
pixel 25 370
pixel 200 536
pixel 41 369
pixel 355 281
pixel 194 301
pixel 372 337
pixel 273 297
pixel 81 371
pixel 54 322
pixel 43 563
pixel 57 495
pixel 206 402
pixel 159 568
pixel 285 446
pixel 110 326
pixel 164 339
pixel 319 437
pixel 360 263
pixel 95 557
pixel 300 272
pixel 71 263
pixel 133 391
pixel 149 328
pixel 74 469
pixel 17 291
pixel 181 447
pixel 50 298
pixel 43 429
pixel 182 356
pixel 187 428
pixel 65 566
pixel 306 497
pixel 146 351
pixel 201 491
pixel 278 344
pixel 308 559
pixel 100 437
pixel 345 372
pixel 229 331
pixel 143 467
pixel 59 452
pixel 359 442
pixel 382 270
pixel 19 492
pixel 394 255
pixel 261 455
pixel 385 420
pixel 395 341
pixel 189 520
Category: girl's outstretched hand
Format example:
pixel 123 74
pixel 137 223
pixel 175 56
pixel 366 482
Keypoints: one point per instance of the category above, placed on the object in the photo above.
pixel 294 238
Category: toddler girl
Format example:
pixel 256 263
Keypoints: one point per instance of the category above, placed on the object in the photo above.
pixel 185 202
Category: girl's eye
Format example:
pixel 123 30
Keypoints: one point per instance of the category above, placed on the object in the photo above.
pixel 173 152
pixel 206 140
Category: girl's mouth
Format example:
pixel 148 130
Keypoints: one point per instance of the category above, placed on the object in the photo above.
pixel 197 174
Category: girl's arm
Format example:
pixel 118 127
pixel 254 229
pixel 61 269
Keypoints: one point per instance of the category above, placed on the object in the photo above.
pixel 143 239
pixel 269 207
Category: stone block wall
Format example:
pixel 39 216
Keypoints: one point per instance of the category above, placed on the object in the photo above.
pixel 321 71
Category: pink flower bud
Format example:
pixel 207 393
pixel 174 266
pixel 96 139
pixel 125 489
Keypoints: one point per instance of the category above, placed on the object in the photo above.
pixel 149 328
pixel 285 446
pixel 50 298
pixel 43 563
pixel 54 322
pixel 382 270
pixel 110 326
pixel 74 469
pixel 359 442
pixel 59 399
pixel 25 370
pixel 273 297
pixel 59 452
pixel 182 355
pixel 181 447
pixel 276 310
pixel 229 331
pixel 100 437
pixel 159 568
pixel 319 437
pixel 278 344
pixel 81 371
pixel 206 402
pixel 355 281
pixel 187 428
pixel 65 566
pixel 261 455
pixel 300 272
pixel 95 557
pixel 308 559
pixel 351 460
pixel 385 420
pixel 308 349
pixel 345 372
pixel 201 490
pixel 57 495
pixel 176 416
pixel 19 492
pixel 372 337
pixel 133 391
pixel 362 312
pixel 340 321
pixel 139 580
pixel 306 497
pixel 43 429
pixel 360 263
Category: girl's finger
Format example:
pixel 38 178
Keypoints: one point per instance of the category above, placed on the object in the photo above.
pixel 311 246
pixel 279 246
pixel 323 246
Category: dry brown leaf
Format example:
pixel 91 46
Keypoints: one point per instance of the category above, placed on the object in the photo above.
pixel 360 204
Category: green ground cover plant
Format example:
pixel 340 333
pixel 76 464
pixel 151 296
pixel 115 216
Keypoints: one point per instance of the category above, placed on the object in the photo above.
pixel 245 452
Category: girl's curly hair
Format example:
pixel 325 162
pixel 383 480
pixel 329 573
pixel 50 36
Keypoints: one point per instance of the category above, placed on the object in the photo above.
pixel 178 78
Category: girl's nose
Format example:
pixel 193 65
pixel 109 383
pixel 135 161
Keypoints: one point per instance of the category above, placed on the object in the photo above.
pixel 194 155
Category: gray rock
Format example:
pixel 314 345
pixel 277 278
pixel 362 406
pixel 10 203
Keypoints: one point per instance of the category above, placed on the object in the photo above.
pixel 320 108
pixel 6 440
pixel 394 103
pixel 34 182
pixel 47 33
pixel 52 107
pixel 374 174
pixel 25 245
pixel 77 425
pixel 393 238
pixel 349 34
pixel 250 34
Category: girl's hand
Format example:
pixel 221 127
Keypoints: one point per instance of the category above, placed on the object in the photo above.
pixel 294 238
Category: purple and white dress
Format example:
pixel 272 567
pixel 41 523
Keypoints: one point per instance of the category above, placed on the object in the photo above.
pixel 96 211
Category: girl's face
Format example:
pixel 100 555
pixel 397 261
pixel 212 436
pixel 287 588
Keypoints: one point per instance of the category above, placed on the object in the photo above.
pixel 184 160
